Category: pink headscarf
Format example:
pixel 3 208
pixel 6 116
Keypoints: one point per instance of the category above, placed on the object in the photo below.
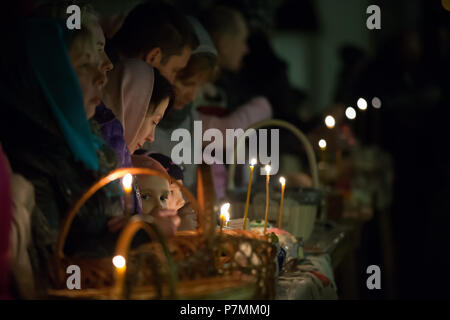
pixel 5 224
pixel 127 94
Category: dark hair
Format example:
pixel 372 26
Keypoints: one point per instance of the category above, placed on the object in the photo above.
pixel 155 25
pixel 173 170
pixel 162 89
pixel 220 19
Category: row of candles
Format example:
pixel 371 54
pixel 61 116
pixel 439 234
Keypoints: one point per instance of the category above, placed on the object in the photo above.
pixel 224 210
pixel 119 261
pixel 350 113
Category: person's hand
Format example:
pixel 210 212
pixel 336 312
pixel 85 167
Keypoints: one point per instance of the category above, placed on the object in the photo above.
pixel 167 220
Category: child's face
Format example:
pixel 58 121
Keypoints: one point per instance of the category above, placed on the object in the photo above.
pixel 91 65
pixel 175 200
pixel 154 193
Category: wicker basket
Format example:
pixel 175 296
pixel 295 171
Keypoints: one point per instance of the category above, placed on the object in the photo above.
pixel 151 271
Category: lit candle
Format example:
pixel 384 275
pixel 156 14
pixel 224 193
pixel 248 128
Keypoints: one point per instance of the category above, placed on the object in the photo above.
pixel 330 122
pixel 323 147
pixel 120 265
pixel 127 187
pixel 224 215
pixel 267 168
pixel 350 113
pixel 252 165
pixel 362 104
pixel 283 184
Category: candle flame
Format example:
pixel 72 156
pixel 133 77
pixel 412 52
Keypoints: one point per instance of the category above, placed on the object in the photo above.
pixel 224 213
pixel 330 122
pixel 322 144
pixel 268 168
pixel 283 181
pixel 362 104
pixel 126 181
pixel 253 162
pixel 119 262
pixel 350 113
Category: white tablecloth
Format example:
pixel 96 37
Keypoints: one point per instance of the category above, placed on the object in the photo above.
pixel 313 279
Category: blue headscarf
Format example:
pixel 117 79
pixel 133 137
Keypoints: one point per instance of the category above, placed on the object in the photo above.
pixel 47 43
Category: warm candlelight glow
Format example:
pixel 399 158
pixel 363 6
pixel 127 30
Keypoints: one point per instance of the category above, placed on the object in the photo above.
pixel 247 201
pixel 350 113
pixel 362 104
pixel 267 168
pixel 322 144
pixel 330 122
pixel 224 211
pixel 283 185
pixel 119 262
pixel 126 182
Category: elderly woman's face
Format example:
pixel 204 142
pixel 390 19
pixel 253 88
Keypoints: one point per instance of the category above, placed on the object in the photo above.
pixel 91 64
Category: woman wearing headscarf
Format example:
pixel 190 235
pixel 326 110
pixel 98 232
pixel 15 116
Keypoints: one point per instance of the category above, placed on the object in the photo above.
pixel 42 103
pixel 137 97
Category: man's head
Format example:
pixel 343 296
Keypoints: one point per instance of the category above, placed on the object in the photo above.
pixel 159 34
pixel 229 32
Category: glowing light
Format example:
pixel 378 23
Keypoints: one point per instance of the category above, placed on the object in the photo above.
pixel 224 211
pixel 253 162
pixel 119 262
pixel 362 104
pixel 267 168
pixel 376 102
pixel 330 122
pixel 126 182
pixel 322 144
pixel 350 113
pixel 282 181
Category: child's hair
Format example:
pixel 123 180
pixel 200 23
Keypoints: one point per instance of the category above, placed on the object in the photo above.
pixel 200 63
pixel 173 170
pixel 162 89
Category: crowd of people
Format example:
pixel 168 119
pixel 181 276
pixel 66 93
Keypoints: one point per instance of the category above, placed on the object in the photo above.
pixel 98 98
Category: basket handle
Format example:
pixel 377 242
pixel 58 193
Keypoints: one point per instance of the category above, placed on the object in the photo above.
pixel 114 175
pixel 123 248
pixel 300 136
